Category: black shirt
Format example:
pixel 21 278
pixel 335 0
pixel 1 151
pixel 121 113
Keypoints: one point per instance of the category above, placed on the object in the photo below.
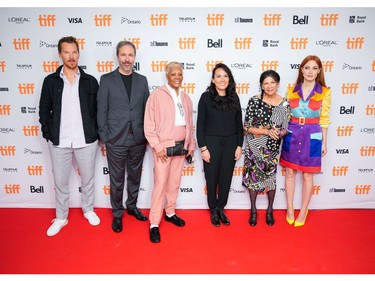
pixel 127 80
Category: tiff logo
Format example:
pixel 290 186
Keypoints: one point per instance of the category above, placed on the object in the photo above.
pixel 158 66
pixel 269 65
pixel 47 20
pixel 344 131
pixel 211 64
pixel 367 150
pixel 242 43
pixel 30 131
pixel 188 88
pixel 355 43
pixel 187 43
pixel 26 88
pixel 9 150
pixel 81 43
pixel 316 189
pixel 12 188
pixel 272 19
pixel 2 66
pixel 372 66
pixel 50 66
pixel 106 189
pixel 370 109
pixel 158 19
pixel 298 43
pixel 34 170
pixel 327 65
pixel 243 88
pixel 21 43
pixel 238 171
pixel 215 19
pixel 188 171
pixel 362 189
pixel 103 150
pixel 338 171
pixel 102 20
pixel 5 109
pixel 329 19
pixel 135 40
pixel 104 66
pixel 349 88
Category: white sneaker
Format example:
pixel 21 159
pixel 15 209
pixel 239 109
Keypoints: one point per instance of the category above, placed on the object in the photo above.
pixel 92 217
pixel 56 226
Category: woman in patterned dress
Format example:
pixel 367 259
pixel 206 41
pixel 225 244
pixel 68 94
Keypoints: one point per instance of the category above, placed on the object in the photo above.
pixel 265 124
pixel 306 141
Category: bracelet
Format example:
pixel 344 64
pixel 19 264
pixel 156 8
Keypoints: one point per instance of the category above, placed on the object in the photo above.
pixel 204 150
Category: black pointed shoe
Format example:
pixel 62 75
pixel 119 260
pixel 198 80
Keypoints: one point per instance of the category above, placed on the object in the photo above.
pixel 154 234
pixel 215 218
pixel 223 218
pixel 269 218
pixel 253 218
pixel 137 214
pixel 176 220
pixel 117 224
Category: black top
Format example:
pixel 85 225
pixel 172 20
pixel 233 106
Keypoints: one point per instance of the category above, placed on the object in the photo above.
pixel 214 122
pixel 127 79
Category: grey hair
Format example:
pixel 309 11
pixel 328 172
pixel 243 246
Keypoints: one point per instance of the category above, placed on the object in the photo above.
pixel 125 43
pixel 172 64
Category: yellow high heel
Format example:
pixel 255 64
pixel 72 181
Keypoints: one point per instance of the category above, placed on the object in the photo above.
pixel 290 221
pixel 297 224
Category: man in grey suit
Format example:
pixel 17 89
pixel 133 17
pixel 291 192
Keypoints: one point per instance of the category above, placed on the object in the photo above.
pixel 122 99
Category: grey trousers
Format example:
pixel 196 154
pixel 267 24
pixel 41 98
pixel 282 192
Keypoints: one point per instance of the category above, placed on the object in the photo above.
pixel 61 167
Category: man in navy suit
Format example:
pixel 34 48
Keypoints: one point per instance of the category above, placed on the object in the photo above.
pixel 122 99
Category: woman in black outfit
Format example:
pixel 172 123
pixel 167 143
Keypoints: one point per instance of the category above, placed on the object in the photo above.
pixel 220 138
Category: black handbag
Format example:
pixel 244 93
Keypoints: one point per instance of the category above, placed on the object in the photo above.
pixel 177 150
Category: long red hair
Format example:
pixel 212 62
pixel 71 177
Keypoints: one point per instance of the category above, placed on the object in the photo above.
pixel 320 78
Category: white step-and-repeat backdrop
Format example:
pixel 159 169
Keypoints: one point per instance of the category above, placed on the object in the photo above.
pixel 248 40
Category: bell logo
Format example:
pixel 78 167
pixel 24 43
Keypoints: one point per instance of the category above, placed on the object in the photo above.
pixel 215 19
pixel 238 171
pixel 102 20
pixel 104 66
pixel 242 42
pixel 270 65
pixel 188 171
pixel 47 20
pixel 298 43
pixel 21 44
pixel 158 19
pixel 30 131
pixel 243 88
pixel 12 188
pixel 2 66
pixel 188 88
pixel 106 189
pixel 367 151
pixel 349 88
pixel 81 43
pixel 136 41
pixel 339 171
pixel 370 109
pixel 344 131
pixel 316 189
pixel 34 170
pixel 50 66
pixel 272 19
pixel 355 43
pixel 362 189
pixel 187 43
pixel 26 88
pixel 104 151
pixel 158 66
pixel 329 19
pixel 5 109
pixel 327 66
pixel 211 64
pixel 9 150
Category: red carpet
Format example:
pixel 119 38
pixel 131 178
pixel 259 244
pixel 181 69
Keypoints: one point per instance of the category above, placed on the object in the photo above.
pixel 332 241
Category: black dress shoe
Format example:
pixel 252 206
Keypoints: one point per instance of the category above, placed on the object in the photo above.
pixel 253 218
pixel 215 218
pixel 137 214
pixel 269 218
pixel 154 234
pixel 117 224
pixel 175 220
pixel 223 218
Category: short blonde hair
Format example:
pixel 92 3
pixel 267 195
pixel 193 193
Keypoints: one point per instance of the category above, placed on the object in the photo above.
pixel 172 64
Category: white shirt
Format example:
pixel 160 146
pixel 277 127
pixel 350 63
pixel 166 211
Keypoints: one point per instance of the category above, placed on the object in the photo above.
pixel 71 125
pixel 179 112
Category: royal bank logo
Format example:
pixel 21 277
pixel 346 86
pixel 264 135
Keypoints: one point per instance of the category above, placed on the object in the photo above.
pixel 270 43
pixel 188 65
pixel 129 21
pixel 47 45
pixel 19 20
pixel 347 66
pixel 327 43
pixel 186 19
pixel 158 44
pixel 241 65
pixel 103 44
pixel 28 109
pixel 357 19
pixel 243 20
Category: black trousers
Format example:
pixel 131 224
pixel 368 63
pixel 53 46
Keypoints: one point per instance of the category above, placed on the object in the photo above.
pixel 120 157
pixel 219 171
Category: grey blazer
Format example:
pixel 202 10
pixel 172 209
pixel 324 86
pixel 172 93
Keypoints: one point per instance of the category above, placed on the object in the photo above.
pixel 115 112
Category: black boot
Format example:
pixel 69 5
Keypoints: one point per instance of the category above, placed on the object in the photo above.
pixel 223 218
pixel 253 218
pixel 215 218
